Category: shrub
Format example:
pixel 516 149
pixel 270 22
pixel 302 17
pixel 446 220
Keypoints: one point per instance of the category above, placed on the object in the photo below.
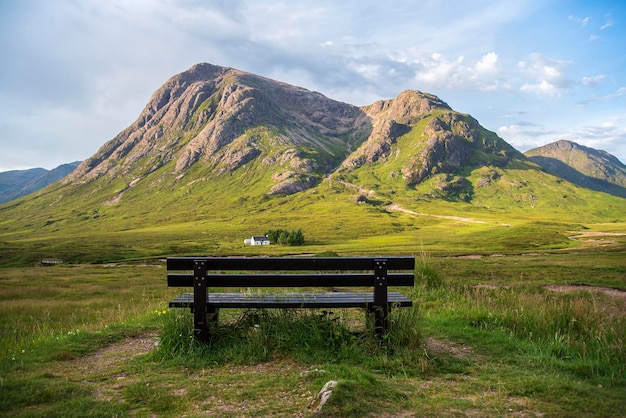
pixel 285 237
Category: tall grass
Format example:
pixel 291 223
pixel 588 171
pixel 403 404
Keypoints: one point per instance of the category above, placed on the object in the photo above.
pixel 584 332
pixel 41 304
pixel 308 336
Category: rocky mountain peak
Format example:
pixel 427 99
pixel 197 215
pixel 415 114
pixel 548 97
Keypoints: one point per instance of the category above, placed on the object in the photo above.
pixel 449 141
pixel 219 119
pixel 225 118
pixel 409 107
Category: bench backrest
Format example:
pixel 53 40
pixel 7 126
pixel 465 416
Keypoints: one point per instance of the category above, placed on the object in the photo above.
pixel 292 271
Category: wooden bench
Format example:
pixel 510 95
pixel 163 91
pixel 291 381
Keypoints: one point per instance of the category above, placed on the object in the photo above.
pixel 203 273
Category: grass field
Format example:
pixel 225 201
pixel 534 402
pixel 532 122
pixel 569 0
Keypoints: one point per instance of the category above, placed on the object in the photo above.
pixel 519 307
pixel 490 335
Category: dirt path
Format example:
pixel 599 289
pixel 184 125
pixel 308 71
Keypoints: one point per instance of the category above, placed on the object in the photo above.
pixel 394 207
pixel 595 239
pixel 106 369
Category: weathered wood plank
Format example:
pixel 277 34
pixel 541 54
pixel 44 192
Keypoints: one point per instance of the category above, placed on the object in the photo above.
pixel 290 280
pixel 290 300
pixel 290 263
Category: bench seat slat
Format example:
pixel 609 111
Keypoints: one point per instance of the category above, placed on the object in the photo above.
pixel 290 263
pixel 289 280
pixel 290 300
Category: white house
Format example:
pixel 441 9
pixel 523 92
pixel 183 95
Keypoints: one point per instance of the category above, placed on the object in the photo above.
pixel 257 240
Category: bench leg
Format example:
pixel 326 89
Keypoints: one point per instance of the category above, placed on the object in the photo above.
pixel 381 306
pixel 212 315
pixel 202 325
pixel 380 316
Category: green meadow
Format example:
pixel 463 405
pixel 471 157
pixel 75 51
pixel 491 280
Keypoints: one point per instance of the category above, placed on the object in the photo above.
pixel 518 333
pixel 520 306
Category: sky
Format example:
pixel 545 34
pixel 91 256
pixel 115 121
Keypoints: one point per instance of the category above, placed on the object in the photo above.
pixel 74 73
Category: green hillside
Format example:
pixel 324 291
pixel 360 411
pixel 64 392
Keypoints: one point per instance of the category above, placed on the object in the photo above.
pixel 519 209
pixel 219 155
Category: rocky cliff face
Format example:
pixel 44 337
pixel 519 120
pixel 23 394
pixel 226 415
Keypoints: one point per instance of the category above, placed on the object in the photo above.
pixel 587 167
pixel 225 118
pixel 222 119
pixel 447 141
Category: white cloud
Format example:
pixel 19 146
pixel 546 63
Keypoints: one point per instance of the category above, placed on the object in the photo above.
pixel 545 76
pixel 525 135
pixel 580 21
pixel 617 93
pixel 487 64
pixel 607 23
pixel 439 72
pixel 592 81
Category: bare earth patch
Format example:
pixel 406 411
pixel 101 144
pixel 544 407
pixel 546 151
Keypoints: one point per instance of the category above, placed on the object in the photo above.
pixel 595 238
pixel 397 208
pixel 438 347
pixel 228 387
pixel 105 369
pixel 117 353
pixel 617 294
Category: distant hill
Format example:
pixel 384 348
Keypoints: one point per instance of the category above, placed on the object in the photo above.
pixel 587 167
pixel 18 183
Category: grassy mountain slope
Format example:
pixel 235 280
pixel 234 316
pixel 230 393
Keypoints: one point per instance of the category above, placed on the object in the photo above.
pixel 219 155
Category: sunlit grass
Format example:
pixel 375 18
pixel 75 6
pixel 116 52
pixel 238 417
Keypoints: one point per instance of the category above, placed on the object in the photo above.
pixel 484 333
pixel 584 330
pixel 42 303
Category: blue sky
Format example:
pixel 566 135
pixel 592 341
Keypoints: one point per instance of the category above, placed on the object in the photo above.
pixel 74 73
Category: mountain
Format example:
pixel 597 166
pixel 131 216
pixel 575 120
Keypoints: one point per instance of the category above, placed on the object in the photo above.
pixel 219 120
pixel 587 167
pixel 18 183
pixel 218 155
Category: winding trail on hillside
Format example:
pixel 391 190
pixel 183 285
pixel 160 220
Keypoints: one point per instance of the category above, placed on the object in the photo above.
pixel 394 207
pixel 594 238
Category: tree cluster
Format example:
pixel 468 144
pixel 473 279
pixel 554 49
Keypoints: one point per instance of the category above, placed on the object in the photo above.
pixel 284 237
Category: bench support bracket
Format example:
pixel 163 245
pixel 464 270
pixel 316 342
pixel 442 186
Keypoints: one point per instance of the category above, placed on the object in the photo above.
pixel 381 305
pixel 200 327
